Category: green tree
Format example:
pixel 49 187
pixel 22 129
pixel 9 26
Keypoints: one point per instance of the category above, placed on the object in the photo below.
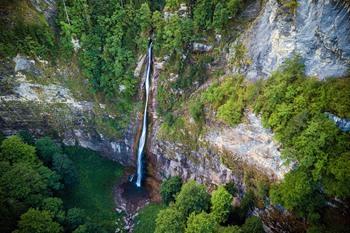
pixel 24 183
pixel 75 217
pixel 337 178
pixel 202 14
pixel 200 223
pixel 221 16
pixel 253 225
pixel 27 137
pixel 65 168
pixel 37 221
pixel 170 188
pixel 297 192
pixel 221 204
pixel 55 206
pixel 170 220
pixel 14 150
pixel 193 197
pixel 46 148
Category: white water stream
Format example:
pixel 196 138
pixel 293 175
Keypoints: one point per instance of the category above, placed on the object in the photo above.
pixel 142 140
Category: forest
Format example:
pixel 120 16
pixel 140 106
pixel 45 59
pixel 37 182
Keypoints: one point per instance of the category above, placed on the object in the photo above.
pixel 46 186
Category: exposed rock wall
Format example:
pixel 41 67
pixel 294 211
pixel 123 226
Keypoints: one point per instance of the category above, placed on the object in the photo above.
pixel 319 32
pixel 223 155
pixel 51 109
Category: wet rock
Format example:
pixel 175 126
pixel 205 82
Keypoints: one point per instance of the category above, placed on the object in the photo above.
pixel 343 124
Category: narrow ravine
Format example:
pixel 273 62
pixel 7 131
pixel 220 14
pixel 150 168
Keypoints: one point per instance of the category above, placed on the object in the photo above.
pixel 142 140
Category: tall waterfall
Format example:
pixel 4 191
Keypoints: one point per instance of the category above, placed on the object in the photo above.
pixel 142 140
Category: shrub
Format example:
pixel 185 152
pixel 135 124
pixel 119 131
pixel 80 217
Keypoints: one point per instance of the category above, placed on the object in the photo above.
pixel 46 149
pixel 14 150
pixel 196 111
pixel 170 188
pixel 170 220
pixel 253 225
pixel 192 198
pixel 200 223
pixel 38 221
pixel 221 204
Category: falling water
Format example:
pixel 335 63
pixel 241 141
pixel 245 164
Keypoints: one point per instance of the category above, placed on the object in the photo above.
pixel 144 125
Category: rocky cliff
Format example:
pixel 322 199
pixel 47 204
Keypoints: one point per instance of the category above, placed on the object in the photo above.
pixel 33 99
pixel 319 31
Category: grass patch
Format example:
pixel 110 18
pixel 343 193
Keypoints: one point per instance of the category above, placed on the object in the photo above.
pixel 93 193
pixel 146 220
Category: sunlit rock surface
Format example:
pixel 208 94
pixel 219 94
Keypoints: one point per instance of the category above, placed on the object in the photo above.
pixel 319 32
pixel 252 143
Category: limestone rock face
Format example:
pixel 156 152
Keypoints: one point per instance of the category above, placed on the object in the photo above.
pixel 319 32
pixel 223 155
pixel 251 143
pixel 51 109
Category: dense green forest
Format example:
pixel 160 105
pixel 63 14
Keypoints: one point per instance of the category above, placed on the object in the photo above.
pixel 41 186
pixel 47 188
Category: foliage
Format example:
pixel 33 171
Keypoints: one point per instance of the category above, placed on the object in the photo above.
pixel 64 167
pixel 14 150
pixel 231 188
pixel 46 148
pixel 38 221
pixel 24 31
pixel 75 217
pixel 192 198
pixel 240 58
pixel 246 206
pixel 298 192
pixel 170 188
pixel 146 219
pixel 253 225
pixel 23 183
pixel 293 106
pixel 92 192
pixel 229 229
pixel 200 223
pixel 170 220
pixel 54 205
pixel 26 137
pixel 228 98
pixel 221 202
pixel 196 111
pixel 221 16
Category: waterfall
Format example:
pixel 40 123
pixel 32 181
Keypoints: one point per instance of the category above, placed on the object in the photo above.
pixel 142 139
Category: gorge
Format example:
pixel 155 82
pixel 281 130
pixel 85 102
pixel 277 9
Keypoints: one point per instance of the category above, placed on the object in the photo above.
pixel 251 94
